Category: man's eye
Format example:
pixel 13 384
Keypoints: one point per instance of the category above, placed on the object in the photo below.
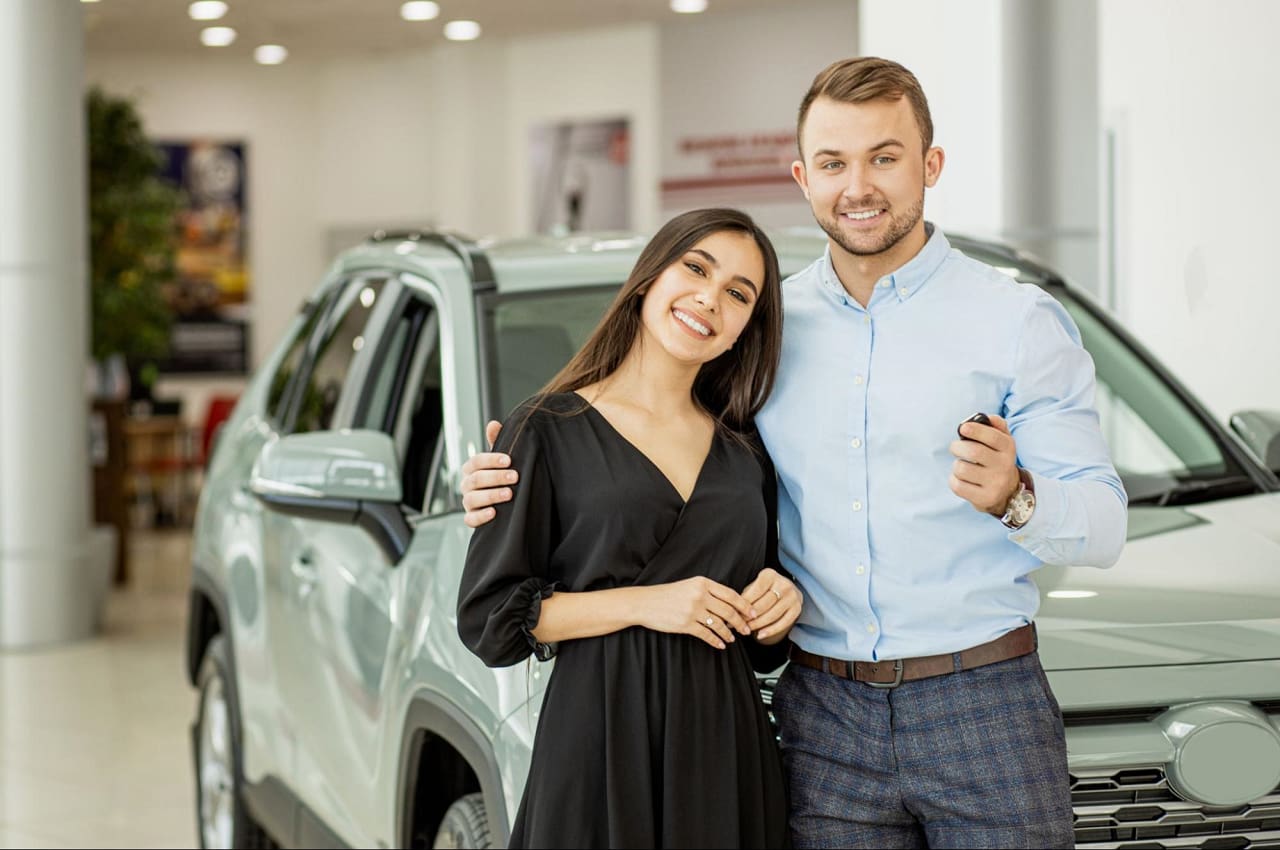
pixel 884 160
pixel 832 165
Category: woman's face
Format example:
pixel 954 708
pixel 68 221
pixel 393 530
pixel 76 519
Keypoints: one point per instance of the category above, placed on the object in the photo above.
pixel 700 304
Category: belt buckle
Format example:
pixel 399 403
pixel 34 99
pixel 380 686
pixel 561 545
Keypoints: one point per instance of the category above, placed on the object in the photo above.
pixel 897 679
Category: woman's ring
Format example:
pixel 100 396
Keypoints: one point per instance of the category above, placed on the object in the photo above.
pixel 776 593
pixel 711 621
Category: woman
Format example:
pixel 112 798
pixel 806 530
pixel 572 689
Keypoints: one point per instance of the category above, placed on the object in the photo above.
pixel 641 545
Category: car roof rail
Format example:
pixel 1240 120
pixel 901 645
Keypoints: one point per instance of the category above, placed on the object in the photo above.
pixel 473 257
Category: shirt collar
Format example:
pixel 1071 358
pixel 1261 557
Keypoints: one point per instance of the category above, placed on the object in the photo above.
pixel 907 279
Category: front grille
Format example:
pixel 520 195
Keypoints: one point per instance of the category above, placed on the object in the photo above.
pixel 1135 808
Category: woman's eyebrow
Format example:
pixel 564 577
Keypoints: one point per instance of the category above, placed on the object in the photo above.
pixel 755 290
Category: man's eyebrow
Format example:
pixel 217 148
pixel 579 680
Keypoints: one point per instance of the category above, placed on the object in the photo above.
pixel 887 143
pixel 755 290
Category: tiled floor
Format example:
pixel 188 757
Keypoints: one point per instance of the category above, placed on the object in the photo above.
pixel 94 741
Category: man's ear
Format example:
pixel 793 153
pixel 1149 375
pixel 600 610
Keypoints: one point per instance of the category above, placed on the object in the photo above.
pixel 801 177
pixel 933 162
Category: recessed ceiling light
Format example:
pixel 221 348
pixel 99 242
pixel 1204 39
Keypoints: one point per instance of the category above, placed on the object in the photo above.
pixel 217 36
pixel 88 1
pixel 420 10
pixel 270 54
pixel 1071 594
pixel 207 10
pixel 688 7
pixel 462 30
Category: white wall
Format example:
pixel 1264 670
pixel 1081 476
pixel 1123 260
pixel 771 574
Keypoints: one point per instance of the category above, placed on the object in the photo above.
pixel 1191 89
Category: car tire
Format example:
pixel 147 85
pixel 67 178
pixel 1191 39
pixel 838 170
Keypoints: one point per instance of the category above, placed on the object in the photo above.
pixel 465 824
pixel 222 819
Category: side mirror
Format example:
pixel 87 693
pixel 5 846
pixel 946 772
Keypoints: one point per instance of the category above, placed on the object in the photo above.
pixel 350 477
pixel 1260 430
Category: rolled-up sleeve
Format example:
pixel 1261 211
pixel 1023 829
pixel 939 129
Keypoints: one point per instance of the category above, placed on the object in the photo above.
pixel 1081 506
pixel 506 574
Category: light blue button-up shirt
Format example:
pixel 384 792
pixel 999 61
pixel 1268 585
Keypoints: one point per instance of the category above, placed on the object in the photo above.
pixel 891 562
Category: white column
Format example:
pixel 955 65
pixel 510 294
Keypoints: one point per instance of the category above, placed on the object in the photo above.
pixel 46 594
pixel 1051 133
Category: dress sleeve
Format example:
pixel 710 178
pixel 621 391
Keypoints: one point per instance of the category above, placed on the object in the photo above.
pixel 505 577
pixel 766 659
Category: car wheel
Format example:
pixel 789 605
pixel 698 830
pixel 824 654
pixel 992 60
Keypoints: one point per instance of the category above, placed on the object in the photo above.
pixel 465 824
pixel 221 816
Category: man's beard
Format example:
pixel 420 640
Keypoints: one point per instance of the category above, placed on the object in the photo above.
pixel 899 227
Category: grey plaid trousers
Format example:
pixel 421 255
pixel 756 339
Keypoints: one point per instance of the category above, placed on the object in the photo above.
pixel 970 759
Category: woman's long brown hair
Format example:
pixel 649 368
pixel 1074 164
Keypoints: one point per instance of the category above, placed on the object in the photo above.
pixel 733 387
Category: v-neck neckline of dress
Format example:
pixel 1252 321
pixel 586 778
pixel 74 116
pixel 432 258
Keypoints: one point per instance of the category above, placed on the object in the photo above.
pixel 715 436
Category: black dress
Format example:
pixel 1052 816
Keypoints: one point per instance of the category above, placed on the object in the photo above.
pixel 645 739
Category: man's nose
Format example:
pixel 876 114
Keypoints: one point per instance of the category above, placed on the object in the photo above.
pixel 857 183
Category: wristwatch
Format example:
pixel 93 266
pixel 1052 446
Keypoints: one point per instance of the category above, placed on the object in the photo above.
pixel 1022 504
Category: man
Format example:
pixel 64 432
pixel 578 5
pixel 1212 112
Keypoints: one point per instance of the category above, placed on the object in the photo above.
pixel 914 711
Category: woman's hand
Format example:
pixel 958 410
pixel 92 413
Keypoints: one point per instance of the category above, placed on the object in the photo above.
pixel 777 601
pixel 696 606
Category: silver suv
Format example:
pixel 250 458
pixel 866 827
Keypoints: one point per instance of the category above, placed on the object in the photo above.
pixel 337 707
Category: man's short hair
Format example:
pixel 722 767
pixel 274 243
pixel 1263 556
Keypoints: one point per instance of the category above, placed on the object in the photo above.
pixel 867 78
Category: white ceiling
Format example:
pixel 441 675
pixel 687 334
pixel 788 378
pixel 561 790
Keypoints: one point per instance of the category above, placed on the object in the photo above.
pixel 317 29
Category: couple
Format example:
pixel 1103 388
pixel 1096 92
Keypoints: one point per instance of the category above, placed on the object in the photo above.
pixel 641 538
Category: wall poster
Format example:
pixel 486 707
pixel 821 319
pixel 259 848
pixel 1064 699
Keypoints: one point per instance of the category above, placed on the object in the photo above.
pixel 210 293
pixel 581 176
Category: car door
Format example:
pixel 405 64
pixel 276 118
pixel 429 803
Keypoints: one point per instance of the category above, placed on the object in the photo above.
pixel 347 617
pixel 289 548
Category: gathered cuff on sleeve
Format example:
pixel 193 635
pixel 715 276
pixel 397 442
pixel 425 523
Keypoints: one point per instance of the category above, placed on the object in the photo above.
pixel 530 595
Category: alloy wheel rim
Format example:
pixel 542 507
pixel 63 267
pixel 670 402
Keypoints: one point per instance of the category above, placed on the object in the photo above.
pixel 215 768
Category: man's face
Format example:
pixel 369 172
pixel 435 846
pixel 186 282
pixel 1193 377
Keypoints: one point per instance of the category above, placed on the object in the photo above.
pixel 863 172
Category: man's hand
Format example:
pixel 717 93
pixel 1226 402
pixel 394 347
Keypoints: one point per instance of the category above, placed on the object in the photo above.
pixel 486 481
pixel 985 473
pixel 777 602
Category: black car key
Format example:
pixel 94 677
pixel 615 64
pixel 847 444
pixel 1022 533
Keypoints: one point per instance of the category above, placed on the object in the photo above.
pixel 980 418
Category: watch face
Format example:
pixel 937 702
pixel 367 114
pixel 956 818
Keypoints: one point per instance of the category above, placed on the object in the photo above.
pixel 1020 507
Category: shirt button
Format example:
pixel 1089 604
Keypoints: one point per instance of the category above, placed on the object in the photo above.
pixel 866 320
pixel 857 379
pixel 884 283
pixel 861 569
pixel 857 444
pixel 857 506
pixel 903 292
pixel 871 628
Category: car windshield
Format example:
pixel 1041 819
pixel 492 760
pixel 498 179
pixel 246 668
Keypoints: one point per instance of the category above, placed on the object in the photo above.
pixel 1164 452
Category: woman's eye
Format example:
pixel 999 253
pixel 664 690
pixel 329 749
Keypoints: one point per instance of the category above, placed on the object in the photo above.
pixel 695 268
pixel 740 295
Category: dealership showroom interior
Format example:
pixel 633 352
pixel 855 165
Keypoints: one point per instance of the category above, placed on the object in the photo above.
pixel 268 267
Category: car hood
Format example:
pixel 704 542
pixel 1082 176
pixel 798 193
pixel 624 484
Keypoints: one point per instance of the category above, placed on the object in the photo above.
pixel 1194 585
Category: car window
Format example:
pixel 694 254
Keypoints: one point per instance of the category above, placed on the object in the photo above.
pixel 533 336
pixel 341 337
pixel 277 395
pixel 1156 440
pixel 406 399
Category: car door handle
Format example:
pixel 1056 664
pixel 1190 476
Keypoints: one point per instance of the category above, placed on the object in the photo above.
pixel 304 571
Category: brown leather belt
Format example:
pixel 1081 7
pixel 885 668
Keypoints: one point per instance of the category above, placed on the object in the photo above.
pixel 890 674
